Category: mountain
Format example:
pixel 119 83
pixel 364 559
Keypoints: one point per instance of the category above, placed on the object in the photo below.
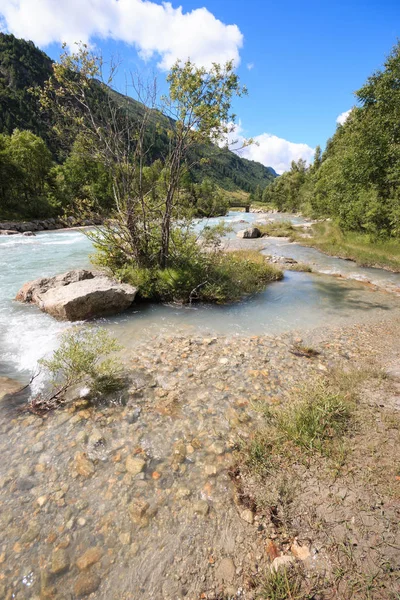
pixel 23 66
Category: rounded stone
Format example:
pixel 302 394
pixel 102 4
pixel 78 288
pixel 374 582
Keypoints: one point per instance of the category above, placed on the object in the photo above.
pixel 86 584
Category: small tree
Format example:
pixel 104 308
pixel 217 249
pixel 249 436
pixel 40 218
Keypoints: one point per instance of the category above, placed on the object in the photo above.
pixel 123 134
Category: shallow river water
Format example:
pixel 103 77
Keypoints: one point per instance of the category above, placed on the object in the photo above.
pixel 299 301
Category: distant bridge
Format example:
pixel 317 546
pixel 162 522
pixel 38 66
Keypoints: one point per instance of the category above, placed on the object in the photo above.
pixel 240 204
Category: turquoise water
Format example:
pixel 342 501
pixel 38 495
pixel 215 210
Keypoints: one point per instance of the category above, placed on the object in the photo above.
pixel 299 301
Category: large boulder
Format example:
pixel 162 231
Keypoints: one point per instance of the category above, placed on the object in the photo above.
pixel 251 233
pixel 34 290
pixel 78 295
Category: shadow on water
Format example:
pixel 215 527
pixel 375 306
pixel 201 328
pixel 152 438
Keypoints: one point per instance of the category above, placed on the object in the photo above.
pixel 341 296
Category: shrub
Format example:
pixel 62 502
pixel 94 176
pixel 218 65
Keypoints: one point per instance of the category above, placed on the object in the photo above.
pixel 83 355
pixel 207 277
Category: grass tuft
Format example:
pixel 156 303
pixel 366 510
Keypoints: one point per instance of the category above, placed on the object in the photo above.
pixel 277 229
pixel 314 422
pixel 321 415
pixel 299 267
pixel 218 278
pixel 282 585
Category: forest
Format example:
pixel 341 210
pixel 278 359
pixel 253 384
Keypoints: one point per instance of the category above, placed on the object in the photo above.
pixel 45 173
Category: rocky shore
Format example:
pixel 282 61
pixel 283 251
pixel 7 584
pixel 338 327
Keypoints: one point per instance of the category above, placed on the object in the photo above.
pixel 136 498
pixel 15 227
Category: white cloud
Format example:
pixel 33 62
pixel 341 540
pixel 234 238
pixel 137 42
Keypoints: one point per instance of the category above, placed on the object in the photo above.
pixel 250 66
pixel 342 118
pixel 156 30
pixel 270 150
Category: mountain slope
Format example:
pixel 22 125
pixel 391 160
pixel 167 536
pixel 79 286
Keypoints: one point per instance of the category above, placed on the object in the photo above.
pixel 23 65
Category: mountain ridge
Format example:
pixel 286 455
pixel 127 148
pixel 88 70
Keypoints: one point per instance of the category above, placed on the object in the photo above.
pixel 23 66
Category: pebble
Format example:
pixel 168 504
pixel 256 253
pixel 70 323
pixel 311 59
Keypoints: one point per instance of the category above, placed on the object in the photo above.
pixel 182 493
pixel 137 509
pixel 125 538
pixel 225 572
pixel 300 552
pixel 59 561
pixel 281 562
pixel 248 516
pixel 85 584
pixel 201 507
pixel 83 465
pixel 210 470
pixel 90 557
pixel 38 447
pixel 217 448
pixel 134 465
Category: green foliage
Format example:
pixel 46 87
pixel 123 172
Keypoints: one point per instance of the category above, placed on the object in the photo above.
pixel 363 248
pixel 207 199
pixel 80 180
pixel 356 180
pixel 26 175
pixel 22 66
pixel 284 191
pixel 84 356
pixel 203 276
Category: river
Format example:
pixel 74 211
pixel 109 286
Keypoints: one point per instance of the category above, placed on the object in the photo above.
pixel 299 301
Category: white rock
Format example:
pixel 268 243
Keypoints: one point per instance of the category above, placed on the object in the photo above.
pixel 281 562
pixel 247 515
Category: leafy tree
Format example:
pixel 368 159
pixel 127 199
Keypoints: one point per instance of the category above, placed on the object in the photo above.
pixel 147 197
pixel 23 69
pixel 25 165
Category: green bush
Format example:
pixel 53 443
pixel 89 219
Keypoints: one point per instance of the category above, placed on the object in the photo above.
pixel 84 356
pixel 207 277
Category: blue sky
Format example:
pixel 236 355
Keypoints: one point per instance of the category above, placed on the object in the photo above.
pixel 301 61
